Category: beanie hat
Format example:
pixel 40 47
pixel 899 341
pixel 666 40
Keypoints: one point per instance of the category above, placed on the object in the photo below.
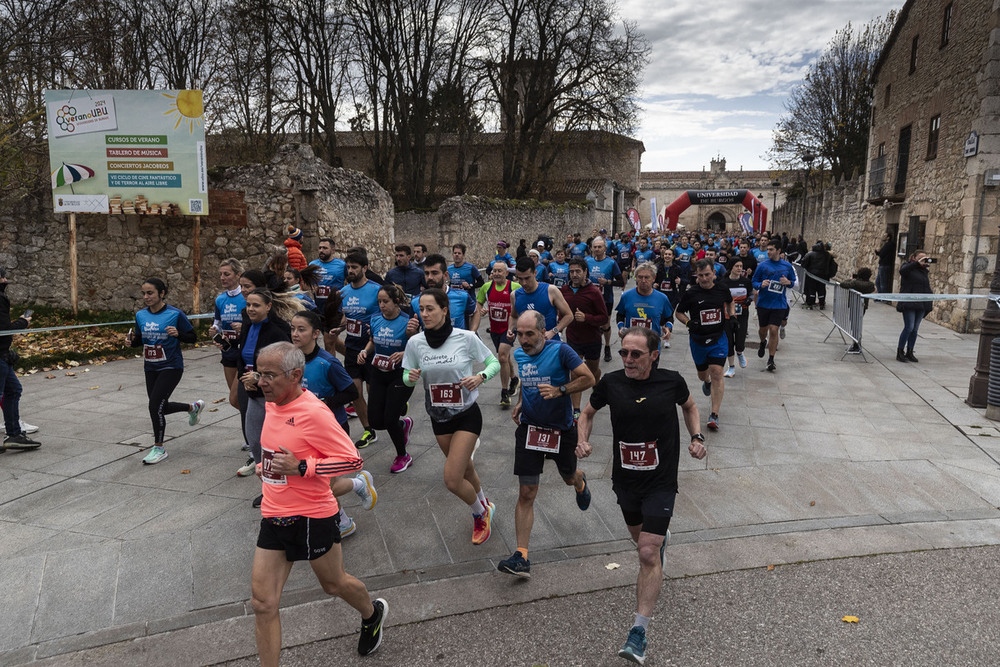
pixel 294 233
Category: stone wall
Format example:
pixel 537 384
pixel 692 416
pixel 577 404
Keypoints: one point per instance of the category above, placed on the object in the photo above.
pixel 479 223
pixel 250 207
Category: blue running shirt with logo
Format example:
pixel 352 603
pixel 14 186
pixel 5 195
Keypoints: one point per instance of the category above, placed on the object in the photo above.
pixel 160 350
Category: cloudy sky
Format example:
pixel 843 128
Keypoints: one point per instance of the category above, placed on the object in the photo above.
pixel 721 70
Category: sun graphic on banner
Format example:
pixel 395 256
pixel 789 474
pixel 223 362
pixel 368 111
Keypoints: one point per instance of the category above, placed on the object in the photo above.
pixel 187 107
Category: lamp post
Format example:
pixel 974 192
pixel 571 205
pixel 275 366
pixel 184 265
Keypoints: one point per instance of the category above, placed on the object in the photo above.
pixel 808 158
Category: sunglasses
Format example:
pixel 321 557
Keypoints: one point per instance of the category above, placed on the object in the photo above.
pixel 634 354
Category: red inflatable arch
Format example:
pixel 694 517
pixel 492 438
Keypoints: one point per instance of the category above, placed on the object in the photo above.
pixel 715 197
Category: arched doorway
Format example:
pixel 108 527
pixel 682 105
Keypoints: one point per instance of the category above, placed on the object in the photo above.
pixel 716 222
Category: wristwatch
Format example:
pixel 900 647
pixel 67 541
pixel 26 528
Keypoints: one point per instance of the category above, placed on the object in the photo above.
pixel 699 437
pixel 303 467
pixel 562 389
pixel 483 375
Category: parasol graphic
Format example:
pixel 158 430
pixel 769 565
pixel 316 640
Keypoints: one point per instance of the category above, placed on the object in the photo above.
pixel 68 174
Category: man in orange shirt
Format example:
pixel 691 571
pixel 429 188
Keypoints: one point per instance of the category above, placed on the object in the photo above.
pixel 302 447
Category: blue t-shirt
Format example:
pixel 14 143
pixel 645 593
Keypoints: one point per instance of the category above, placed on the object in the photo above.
pixel 558 273
pixel 389 336
pixel 541 273
pixel 359 305
pixel 325 376
pixel 760 254
pixel 550 366
pixel 578 249
pixel 625 250
pixel 773 296
pixel 655 307
pixel 331 277
pixel 537 300
pixel 683 255
pixel 461 307
pixel 644 256
pixel 160 350
pixel 606 268
pixel 467 273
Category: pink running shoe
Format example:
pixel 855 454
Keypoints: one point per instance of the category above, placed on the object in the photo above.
pixel 401 463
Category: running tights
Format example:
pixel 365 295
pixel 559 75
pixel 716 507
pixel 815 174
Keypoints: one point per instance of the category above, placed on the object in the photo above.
pixel 159 386
pixel 387 397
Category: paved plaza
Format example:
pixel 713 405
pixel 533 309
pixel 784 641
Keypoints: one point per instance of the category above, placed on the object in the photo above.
pixel 107 561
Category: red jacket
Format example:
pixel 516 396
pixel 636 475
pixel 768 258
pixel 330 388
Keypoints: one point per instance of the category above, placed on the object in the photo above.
pixel 590 301
pixel 296 259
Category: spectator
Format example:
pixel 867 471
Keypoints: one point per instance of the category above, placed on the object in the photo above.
pixel 10 386
pixel 913 279
pixel 296 259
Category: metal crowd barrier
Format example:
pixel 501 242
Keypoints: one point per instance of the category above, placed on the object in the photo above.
pixel 848 315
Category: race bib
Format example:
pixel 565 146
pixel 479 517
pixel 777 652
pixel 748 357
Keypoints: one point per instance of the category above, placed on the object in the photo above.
pixel 642 456
pixel 640 322
pixel 230 335
pixel 543 439
pixel 624 254
pixel 498 314
pixel 322 291
pixel 446 395
pixel 383 362
pixel 666 286
pixel 353 327
pixel 558 282
pixel 153 353
pixel 775 286
pixel 710 316
pixel 267 475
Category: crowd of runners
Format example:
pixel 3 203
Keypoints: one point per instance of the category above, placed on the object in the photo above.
pixel 306 347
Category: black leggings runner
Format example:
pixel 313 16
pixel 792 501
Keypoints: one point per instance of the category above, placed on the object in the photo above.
pixel 159 386
pixel 736 331
pixel 387 396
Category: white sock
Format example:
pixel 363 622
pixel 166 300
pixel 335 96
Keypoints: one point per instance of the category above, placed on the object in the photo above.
pixel 358 483
pixel 478 507
pixel 345 521
pixel 642 621
pixel 482 497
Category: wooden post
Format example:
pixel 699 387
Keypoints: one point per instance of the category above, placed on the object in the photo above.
pixel 196 269
pixel 72 264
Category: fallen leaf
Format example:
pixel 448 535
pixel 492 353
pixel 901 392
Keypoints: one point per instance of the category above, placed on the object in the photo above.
pixel 185 472
pixel 213 409
pixel 86 370
pixel 120 387
pixel 612 566
pixel 812 503
pixel 50 377
pixel 70 374
pixel 97 387
pixel 32 371
pixel 850 619
pixel 770 568
pixel 46 368
pixel 220 400
pixel 74 363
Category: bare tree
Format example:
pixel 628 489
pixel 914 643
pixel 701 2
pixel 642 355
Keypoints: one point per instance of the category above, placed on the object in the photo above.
pixel 829 114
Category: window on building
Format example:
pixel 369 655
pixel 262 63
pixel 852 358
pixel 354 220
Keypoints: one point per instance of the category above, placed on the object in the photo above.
pixel 902 160
pixel 913 55
pixel 946 25
pixel 888 93
pixel 932 137
pixel 876 174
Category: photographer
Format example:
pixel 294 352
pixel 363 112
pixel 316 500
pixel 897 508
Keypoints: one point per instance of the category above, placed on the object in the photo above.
pixel 10 386
pixel 913 279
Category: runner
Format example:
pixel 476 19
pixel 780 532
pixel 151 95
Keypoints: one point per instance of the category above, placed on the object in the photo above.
pixel 645 460
pixel 590 316
pixel 303 448
pixel 559 269
pixel 464 314
pixel 704 308
pixel 328 380
pixel 642 306
pixel 405 273
pixel 443 357
pixel 545 298
pixel 550 372
pixel 461 273
pixel 605 273
pixel 331 274
pixel 387 393
pixel 360 302
pixel 159 331
pixel 741 287
pixel 668 280
pixel 228 306
pixel 772 277
pixel 494 299
pixel 623 255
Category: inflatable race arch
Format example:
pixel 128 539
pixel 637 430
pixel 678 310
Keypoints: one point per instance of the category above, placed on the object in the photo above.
pixel 715 197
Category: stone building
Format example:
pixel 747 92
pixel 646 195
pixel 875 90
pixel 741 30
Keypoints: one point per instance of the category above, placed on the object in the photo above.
pixel 934 146
pixel 666 186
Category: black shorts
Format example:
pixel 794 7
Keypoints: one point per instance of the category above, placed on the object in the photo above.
pixel 771 316
pixel 303 539
pixel 529 463
pixel 587 351
pixel 231 358
pixel 651 509
pixel 354 369
pixel 499 339
pixel 471 420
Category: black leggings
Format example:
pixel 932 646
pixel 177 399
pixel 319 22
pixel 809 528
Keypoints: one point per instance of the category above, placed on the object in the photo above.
pixel 159 386
pixel 387 396
pixel 736 331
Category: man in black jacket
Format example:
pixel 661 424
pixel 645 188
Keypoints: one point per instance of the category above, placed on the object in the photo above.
pixel 886 259
pixel 10 386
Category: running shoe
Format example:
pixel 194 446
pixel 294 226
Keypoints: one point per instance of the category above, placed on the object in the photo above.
pixel 245 447
pixel 156 454
pixel 481 524
pixel 583 497
pixel 515 384
pixel 742 359
pixel 257 501
pixel 762 349
pixel 371 633
pixel 634 648
pixel 351 412
pixel 348 528
pixel 770 365
pixel 367 438
pixel 666 344
pixel 22 441
pixel 504 399
pixel 249 469
pixel 367 493
pixel 401 463
pixel 706 388
pixel 781 333
pixel 730 372
pixel 516 565
pixel 194 415
pixel 713 422
pixel 407 427
pixel 25 428
pixel 607 353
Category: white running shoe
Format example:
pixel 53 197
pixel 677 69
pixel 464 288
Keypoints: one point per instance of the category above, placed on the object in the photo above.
pixel 25 427
pixel 730 372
